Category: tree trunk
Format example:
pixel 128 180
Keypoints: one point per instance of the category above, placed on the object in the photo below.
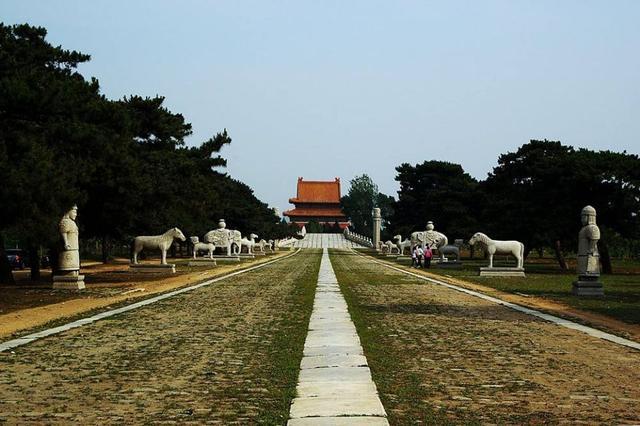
pixel 540 253
pixel 557 247
pixel 6 276
pixel 34 260
pixel 605 258
pixel 527 250
pixel 105 249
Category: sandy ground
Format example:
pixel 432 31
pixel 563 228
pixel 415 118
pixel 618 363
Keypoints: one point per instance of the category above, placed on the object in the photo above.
pixel 436 350
pixel 27 306
pixel 205 356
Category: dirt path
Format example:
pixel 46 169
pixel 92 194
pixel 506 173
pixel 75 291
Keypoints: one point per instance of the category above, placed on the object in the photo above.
pixel 107 285
pixel 227 354
pixel 439 355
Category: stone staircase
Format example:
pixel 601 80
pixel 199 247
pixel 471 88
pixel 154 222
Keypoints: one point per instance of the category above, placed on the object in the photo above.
pixel 325 241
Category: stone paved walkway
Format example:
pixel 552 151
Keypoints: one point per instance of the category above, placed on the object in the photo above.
pixel 325 241
pixel 335 385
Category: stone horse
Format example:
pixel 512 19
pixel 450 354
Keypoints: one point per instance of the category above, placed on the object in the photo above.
pixel 198 246
pixel 156 242
pixel 402 245
pixel 514 248
pixel 390 247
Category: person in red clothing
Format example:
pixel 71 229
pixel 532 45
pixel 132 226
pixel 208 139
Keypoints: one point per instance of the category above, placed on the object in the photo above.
pixel 428 254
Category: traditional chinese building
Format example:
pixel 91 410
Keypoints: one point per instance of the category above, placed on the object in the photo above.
pixel 319 201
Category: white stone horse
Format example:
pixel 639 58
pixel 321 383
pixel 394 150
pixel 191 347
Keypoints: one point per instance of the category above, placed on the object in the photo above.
pixel 249 243
pixel 198 246
pixel 390 247
pixel 156 242
pixel 402 245
pixel 514 248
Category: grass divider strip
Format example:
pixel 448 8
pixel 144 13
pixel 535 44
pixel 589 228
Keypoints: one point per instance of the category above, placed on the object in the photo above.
pixel 23 340
pixel 594 332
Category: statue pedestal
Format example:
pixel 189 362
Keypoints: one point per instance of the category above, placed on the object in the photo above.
pixel 153 268
pixel 225 258
pixel 502 272
pixel 70 281
pixel 259 253
pixel 588 285
pixel 452 264
pixel 203 262
pixel 247 256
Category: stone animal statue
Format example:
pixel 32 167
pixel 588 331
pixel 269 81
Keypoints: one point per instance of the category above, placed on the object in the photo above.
pixel 391 247
pixel 260 246
pixel 156 242
pixel 198 246
pixel 514 248
pixel 224 238
pixel 449 250
pixel 433 239
pixel 402 245
pixel 270 245
pixel 249 243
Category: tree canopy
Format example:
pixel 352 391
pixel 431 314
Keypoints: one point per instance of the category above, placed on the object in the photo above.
pixel 124 162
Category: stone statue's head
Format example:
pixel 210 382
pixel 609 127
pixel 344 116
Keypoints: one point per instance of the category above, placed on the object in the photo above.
pixel 430 226
pixel 73 213
pixel 222 224
pixel 194 240
pixel 588 216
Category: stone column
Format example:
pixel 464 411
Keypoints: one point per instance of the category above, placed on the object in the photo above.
pixel 377 224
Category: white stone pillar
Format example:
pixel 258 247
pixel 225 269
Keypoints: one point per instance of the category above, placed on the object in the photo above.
pixel 377 224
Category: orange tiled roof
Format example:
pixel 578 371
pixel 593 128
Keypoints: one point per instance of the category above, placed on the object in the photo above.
pixel 311 191
pixel 329 212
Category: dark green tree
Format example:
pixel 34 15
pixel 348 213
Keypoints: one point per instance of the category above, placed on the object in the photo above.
pixel 358 204
pixel 438 191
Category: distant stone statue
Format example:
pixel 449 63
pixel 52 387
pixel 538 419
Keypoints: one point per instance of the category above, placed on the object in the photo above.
pixel 249 243
pixel 434 240
pixel 156 242
pixel 514 248
pixel 222 237
pixel 68 272
pixel 402 245
pixel 69 259
pixel 198 246
pixel 588 266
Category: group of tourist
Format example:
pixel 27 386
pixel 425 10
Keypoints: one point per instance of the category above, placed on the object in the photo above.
pixel 420 257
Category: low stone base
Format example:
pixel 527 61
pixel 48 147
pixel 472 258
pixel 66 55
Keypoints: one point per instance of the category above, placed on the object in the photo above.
pixel 453 264
pixel 224 258
pixel 247 256
pixel 202 262
pixel 153 268
pixel 588 286
pixel 502 272
pixel 259 253
pixel 403 257
pixel 68 282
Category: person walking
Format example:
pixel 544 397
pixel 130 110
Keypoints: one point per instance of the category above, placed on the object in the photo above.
pixel 414 257
pixel 419 256
pixel 428 254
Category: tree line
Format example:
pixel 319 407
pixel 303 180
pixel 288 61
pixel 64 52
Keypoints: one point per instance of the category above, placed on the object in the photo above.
pixel 534 195
pixel 123 162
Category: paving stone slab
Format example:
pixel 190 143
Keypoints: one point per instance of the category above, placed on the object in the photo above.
pixel 329 389
pixel 336 374
pixel 332 350
pixel 333 361
pixel 336 406
pixel 339 421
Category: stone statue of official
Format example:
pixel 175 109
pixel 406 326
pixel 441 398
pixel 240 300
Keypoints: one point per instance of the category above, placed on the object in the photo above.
pixel 588 263
pixel 69 259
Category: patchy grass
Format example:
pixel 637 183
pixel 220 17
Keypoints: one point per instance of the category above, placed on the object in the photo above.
pixel 439 356
pixel 544 279
pixel 227 353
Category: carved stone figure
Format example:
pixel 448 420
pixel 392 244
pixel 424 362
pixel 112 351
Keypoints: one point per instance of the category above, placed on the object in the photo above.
pixel 430 238
pixel 389 247
pixel 156 242
pixel 514 248
pixel 198 246
pixel 402 245
pixel 224 238
pixel 249 243
pixel 588 266
pixel 68 273
pixel 69 259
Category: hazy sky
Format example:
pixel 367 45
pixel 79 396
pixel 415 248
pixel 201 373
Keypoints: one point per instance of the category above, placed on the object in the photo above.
pixel 340 88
